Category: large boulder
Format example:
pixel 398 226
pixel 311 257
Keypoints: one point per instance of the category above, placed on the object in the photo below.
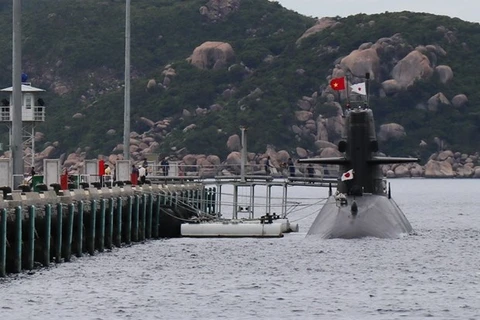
pixel 390 86
pixel 233 143
pixel 359 62
pixel 459 100
pixel 438 169
pixel 212 55
pixel 414 66
pixel 437 100
pixel 445 73
pixel 391 131
pixel 320 25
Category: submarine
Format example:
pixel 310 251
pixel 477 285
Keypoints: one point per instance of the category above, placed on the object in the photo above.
pixel 362 205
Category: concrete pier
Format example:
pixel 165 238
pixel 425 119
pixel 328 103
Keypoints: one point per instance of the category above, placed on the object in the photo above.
pixel 37 229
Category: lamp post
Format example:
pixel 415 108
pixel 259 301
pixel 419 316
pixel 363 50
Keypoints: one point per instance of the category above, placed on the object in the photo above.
pixel 16 144
pixel 126 114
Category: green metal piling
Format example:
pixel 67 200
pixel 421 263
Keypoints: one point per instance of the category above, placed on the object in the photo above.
pixel 143 217
pixel 48 233
pixel 101 236
pixel 156 216
pixel 136 208
pixel 69 236
pixel 91 235
pixel 109 224
pixel 117 233
pixel 17 251
pixel 79 237
pixel 58 241
pixel 31 238
pixel 148 232
pixel 3 242
pixel 128 233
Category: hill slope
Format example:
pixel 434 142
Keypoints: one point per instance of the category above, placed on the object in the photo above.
pixel 74 49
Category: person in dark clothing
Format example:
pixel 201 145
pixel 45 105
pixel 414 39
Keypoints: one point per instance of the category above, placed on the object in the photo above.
pixel 291 167
pixel 268 165
pixel 165 166
pixel 32 172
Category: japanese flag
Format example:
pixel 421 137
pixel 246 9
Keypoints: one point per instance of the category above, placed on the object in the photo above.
pixel 359 88
pixel 347 175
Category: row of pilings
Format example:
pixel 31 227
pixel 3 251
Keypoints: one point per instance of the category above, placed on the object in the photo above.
pixel 38 230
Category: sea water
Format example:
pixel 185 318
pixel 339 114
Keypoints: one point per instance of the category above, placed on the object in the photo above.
pixel 432 274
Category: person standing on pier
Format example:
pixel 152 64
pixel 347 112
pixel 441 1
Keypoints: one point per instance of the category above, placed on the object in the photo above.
pixel 268 165
pixel 165 166
pixel 142 173
pixel 135 174
pixel 107 174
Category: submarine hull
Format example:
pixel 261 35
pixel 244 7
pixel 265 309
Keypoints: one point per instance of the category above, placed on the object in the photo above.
pixel 371 216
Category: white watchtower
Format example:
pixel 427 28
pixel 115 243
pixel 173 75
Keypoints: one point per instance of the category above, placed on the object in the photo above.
pixel 33 111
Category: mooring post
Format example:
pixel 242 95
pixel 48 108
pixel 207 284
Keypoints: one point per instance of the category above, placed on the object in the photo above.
pixel 117 238
pixel 136 208
pixel 156 216
pixel 31 238
pixel 128 238
pixel 143 217
pixel 69 236
pixel 148 232
pixel 101 236
pixel 48 234
pixel 91 234
pixel 17 261
pixel 79 237
pixel 3 242
pixel 58 241
pixel 109 224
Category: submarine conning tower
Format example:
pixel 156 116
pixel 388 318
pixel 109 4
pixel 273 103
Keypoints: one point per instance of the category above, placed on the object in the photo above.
pixel 359 143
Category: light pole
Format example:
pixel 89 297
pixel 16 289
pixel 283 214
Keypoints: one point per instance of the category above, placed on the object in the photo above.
pixel 126 114
pixel 16 144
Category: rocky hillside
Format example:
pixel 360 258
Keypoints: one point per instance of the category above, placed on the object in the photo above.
pixel 203 68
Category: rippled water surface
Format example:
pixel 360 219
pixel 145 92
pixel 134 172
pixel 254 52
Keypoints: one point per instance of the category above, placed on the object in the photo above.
pixel 433 274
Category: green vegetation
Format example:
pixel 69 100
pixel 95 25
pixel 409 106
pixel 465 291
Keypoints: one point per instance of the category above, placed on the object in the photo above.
pixel 80 45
